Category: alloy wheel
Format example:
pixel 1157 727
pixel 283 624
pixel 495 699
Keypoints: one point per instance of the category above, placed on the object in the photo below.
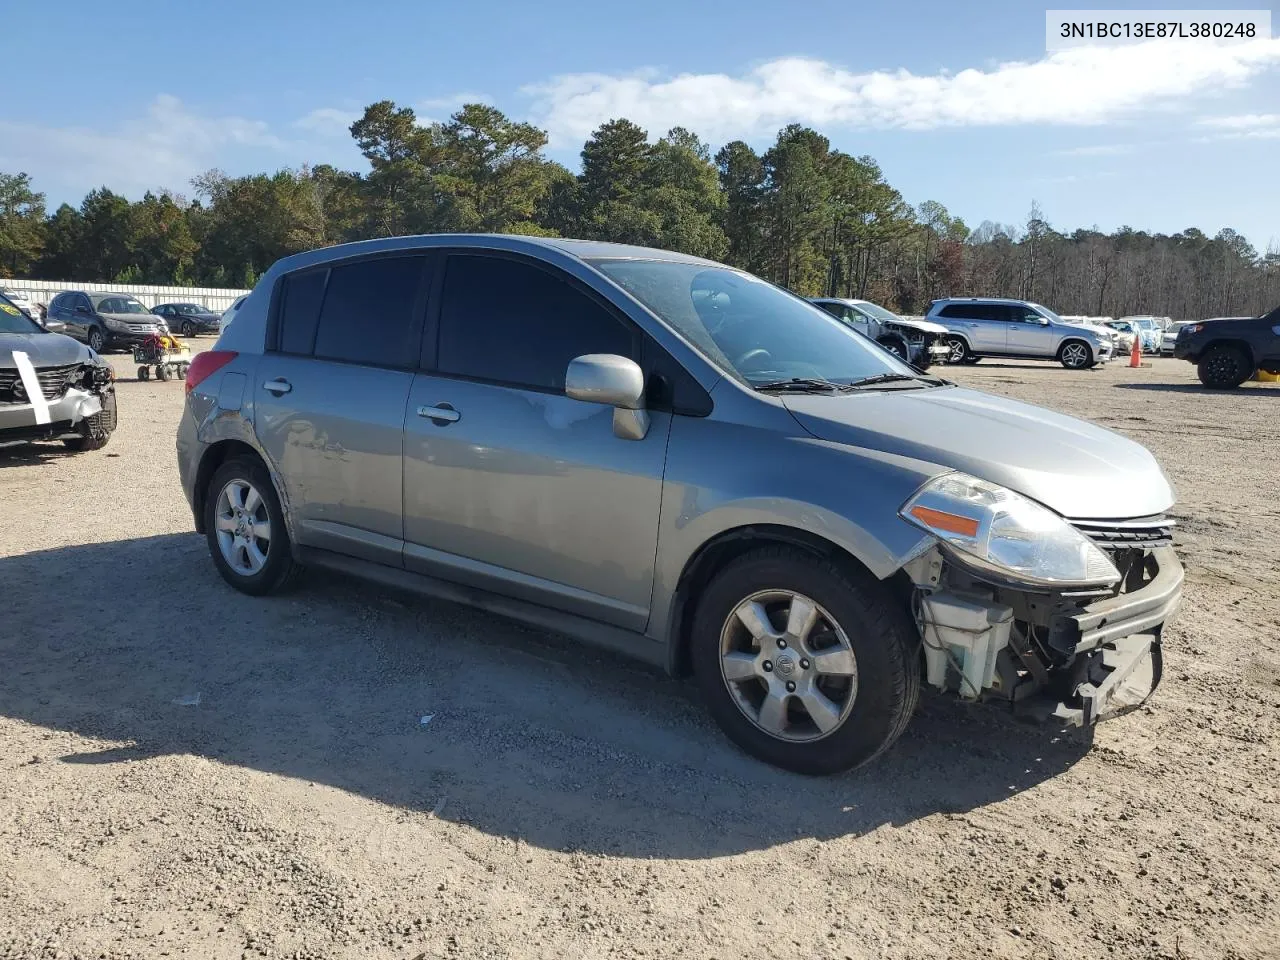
pixel 96 340
pixel 243 527
pixel 957 351
pixel 1075 355
pixel 788 665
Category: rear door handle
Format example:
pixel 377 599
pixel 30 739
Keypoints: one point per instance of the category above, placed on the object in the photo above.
pixel 440 414
pixel 278 387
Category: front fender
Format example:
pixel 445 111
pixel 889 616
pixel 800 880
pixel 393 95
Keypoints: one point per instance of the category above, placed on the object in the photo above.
pixel 724 476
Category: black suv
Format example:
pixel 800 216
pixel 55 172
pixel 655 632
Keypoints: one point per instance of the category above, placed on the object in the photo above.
pixel 1229 351
pixel 105 320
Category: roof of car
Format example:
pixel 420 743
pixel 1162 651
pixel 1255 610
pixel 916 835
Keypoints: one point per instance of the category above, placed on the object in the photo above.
pixel 514 243
pixel 979 300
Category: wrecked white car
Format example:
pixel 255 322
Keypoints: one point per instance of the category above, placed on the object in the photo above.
pixel 52 387
pixel 918 342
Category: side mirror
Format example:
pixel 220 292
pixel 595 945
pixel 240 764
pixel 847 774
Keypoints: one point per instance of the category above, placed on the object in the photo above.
pixel 613 380
pixel 81 308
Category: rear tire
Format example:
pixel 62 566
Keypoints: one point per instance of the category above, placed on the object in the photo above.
pixel 144 373
pixel 856 617
pixel 188 328
pixel 278 569
pixel 1223 368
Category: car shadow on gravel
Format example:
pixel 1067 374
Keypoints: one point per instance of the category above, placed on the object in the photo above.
pixel 1252 390
pixel 33 453
pixel 442 711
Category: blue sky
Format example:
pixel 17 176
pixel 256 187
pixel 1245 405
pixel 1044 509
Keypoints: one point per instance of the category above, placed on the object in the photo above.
pixel 959 103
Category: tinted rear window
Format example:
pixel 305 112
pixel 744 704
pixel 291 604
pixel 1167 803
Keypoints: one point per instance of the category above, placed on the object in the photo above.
pixel 369 312
pixel 301 310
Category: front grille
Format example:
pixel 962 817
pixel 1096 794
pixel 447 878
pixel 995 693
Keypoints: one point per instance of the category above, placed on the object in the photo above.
pixel 53 383
pixel 1141 533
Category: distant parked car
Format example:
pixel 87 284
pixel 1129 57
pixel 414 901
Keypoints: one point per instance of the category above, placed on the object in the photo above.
pixel 993 327
pixel 1170 335
pixel 1126 333
pixel 51 388
pixel 916 341
pixel 1229 350
pixel 229 314
pixel 1150 330
pixel 22 302
pixel 188 318
pixel 105 320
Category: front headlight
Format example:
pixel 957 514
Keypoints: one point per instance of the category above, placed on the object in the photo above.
pixel 115 324
pixel 997 530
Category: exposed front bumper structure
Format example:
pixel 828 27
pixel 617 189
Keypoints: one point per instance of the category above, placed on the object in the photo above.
pixel 1069 656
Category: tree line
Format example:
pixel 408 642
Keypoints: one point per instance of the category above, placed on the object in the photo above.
pixel 801 214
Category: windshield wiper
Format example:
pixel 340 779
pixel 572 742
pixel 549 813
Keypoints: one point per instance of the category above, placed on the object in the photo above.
pixel 801 385
pixel 880 378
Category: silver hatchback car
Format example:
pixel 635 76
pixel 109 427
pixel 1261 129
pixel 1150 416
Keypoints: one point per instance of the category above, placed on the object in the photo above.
pixel 677 460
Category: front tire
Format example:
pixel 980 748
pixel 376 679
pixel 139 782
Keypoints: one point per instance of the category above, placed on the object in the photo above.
pixel 97 340
pixel 245 529
pixel 95 431
pixel 1223 368
pixel 1075 355
pixel 897 347
pixel 804 664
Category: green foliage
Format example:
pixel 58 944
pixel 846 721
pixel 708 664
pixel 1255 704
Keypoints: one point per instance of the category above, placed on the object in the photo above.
pixel 801 214
pixel 22 234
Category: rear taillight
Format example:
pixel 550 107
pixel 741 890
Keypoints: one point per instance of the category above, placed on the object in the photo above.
pixel 205 365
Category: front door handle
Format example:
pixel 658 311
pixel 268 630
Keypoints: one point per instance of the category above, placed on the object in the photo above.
pixel 440 414
pixel 278 387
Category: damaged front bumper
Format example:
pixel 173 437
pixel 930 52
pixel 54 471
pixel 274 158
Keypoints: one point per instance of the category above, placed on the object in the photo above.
pixel 1078 658
pixel 19 422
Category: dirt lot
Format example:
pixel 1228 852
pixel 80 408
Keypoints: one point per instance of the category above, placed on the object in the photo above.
pixel 560 803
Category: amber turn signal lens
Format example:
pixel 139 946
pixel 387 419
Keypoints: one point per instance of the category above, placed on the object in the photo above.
pixel 950 522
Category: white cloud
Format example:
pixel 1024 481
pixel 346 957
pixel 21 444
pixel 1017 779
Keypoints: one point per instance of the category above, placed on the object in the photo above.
pixel 1245 126
pixel 328 122
pixel 1098 150
pixel 1245 121
pixel 164 148
pixel 1080 86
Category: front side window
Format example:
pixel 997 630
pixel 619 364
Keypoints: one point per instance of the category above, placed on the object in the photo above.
pixel 753 330
pixel 516 323
pixel 876 312
pixel 369 314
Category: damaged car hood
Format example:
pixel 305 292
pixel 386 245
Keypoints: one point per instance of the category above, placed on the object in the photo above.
pixel 1080 470
pixel 924 326
pixel 44 349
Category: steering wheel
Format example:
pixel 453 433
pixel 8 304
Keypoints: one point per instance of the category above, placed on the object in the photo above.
pixel 757 353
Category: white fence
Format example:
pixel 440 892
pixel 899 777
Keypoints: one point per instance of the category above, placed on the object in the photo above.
pixel 216 299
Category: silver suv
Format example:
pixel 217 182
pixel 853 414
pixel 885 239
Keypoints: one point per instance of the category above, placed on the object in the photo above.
pixel 674 459
pixel 991 327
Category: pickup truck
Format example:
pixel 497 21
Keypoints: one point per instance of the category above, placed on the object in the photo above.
pixel 1228 351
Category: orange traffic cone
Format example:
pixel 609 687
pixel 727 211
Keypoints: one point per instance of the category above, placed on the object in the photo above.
pixel 1135 355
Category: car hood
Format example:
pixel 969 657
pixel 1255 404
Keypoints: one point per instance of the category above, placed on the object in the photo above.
pixel 44 349
pixel 1080 470
pixel 926 326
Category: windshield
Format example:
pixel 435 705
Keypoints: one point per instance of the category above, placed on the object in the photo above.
pixel 13 320
pixel 754 331
pixel 876 311
pixel 1046 312
pixel 118 304
pixel 1145 323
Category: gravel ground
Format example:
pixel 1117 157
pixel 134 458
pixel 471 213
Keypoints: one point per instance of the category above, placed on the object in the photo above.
pixel 185 771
